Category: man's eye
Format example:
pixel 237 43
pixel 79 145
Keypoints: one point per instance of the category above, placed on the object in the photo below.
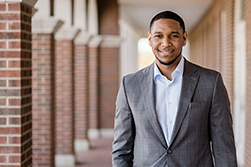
pixel 158 36
pixel 175 36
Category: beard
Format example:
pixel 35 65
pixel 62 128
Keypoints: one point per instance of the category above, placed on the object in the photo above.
pixel 170 62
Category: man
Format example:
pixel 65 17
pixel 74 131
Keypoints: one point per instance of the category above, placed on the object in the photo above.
pixel 172 113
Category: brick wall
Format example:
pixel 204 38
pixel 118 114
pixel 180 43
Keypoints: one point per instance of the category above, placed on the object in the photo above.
pixel 247 17
pixel 93 76
pixel 81 91
pixel 64 96
pixel 109 62
pixel 15 85
pixel 108 85
pixel 212 43
pixel 43 100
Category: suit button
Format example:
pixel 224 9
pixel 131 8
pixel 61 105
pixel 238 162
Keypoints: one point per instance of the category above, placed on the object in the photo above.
pixel 169 151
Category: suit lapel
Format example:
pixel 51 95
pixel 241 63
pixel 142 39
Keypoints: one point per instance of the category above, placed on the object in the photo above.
pixel 148 92
pixel 189 83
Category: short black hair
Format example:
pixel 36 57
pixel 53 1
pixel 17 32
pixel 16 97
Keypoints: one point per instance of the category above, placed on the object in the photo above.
pixel 168 15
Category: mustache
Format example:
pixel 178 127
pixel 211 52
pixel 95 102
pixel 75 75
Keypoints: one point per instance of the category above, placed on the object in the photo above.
pixel 170 62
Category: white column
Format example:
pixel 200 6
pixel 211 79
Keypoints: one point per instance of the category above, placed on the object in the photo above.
pixel 240 82
pixel 128 49
pixel 62 11
pixel 92 17
pixel 80 14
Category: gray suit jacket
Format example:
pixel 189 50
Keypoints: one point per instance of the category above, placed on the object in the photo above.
pixel 202 134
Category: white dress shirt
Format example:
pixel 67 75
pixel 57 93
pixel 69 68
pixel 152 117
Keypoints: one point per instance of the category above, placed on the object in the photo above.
pixel 167 98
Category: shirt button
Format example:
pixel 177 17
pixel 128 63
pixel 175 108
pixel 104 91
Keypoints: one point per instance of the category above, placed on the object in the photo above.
pixel 169 103
pixel 169 151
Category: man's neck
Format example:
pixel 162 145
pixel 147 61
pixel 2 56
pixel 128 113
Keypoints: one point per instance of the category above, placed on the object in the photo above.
pixel 167 70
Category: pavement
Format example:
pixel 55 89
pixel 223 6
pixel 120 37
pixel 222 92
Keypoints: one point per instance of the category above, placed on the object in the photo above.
pixel 99 154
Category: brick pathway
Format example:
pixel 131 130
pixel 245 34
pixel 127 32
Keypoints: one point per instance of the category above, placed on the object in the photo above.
pixel 98 156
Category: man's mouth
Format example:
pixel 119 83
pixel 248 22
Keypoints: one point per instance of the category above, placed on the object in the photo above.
pixel 166 51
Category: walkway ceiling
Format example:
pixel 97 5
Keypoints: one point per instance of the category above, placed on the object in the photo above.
pixel 138 13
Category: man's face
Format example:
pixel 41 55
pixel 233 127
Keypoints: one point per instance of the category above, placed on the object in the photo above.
pixel 167 39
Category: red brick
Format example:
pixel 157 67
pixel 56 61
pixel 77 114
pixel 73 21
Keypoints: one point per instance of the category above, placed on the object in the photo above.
pixel 14 159
pixel 10 16
pixel 10 54
pixel 14 44
pixel 14 102
pixel 9 149
pixel 2 26
pixel 14 26
pixel 2 44
pixel 2 7
pixel 10 35
pixel 3 140
pixel 9 130
pixel 13 73
pixel 14 83
pixel 14 7
pixel 15 121
pixel 2 64
pixel 14 64
pixel 2 102
pixel 2 83
pixel 14 140
pixel 3 158
pixel 2 121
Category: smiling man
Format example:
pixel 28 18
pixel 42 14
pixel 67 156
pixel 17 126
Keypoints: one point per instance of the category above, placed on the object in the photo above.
pixel 172 113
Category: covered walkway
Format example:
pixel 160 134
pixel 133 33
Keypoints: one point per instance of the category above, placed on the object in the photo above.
pixel 98 156
pixel 61 63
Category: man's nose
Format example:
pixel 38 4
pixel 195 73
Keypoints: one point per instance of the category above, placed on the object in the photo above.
pixel 166 41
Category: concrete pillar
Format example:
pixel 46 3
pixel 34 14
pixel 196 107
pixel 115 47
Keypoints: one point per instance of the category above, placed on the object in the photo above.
pixel 64 75
pixel 81 93
pixel 43 94
pixel 128 49
pixel 93 76
pixel 64 72
pixel 81 120
pixel 15 82
pixel 109 82
pixel 92 17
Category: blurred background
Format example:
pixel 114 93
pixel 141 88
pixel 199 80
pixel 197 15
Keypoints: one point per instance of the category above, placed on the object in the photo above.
pixel 61 63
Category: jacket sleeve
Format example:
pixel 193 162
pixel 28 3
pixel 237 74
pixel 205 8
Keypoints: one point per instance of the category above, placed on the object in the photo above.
pixel 221 130
pixel 122 153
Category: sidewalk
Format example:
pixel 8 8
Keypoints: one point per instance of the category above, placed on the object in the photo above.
pixel 99 154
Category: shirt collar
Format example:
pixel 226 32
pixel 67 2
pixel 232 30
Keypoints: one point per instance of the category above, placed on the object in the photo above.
pixel 179 68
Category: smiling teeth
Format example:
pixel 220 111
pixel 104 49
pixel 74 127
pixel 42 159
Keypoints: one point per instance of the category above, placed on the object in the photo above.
pixel 166 51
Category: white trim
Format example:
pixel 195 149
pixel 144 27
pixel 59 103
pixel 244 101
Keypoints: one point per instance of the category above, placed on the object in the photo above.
pixel 46 25
pixel 93 134
pixel 80 14
pixel 64 160
pixel 81 145
pixel 106 133
pixel 83 38
pixel 67 33
pixel 95 41
pixel 27 2
pixel 111 41
pixel 92 17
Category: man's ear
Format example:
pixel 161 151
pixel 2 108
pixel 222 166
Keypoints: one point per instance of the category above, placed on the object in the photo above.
pixel 149 38
pixel 184 38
